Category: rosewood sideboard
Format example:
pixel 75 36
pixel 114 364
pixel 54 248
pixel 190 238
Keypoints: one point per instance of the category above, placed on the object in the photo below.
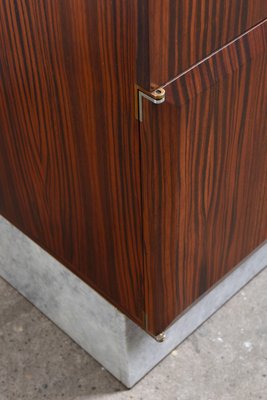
pixel 133 142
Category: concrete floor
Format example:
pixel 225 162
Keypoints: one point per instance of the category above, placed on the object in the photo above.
pixel 225 359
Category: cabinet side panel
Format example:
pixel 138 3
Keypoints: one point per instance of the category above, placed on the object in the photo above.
pixel 69 166
pixel 204 174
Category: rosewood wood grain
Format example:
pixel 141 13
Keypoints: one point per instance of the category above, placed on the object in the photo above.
pixel 179 33
pixel 69 165
pixel 70 151
pixel 204 176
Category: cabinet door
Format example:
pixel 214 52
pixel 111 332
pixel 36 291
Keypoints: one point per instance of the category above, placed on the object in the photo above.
pixel 176 34
pixel 204 170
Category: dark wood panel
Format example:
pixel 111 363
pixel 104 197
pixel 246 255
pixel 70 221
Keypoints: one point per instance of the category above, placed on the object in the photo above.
pixel 179 33
pixel 204 175
pixel 69 166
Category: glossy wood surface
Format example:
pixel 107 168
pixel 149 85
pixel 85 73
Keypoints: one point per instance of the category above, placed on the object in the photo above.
pixel 69 152
pixel 176 34
pixel 204 176
pixel 150 218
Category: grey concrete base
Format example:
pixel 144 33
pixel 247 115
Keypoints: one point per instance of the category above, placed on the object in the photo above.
pixel 111 338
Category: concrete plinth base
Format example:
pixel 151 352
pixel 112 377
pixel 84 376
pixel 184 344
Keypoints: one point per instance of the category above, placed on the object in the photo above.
pixel 110 337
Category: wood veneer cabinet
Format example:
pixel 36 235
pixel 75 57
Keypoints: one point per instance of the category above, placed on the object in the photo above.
pixel 150 213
